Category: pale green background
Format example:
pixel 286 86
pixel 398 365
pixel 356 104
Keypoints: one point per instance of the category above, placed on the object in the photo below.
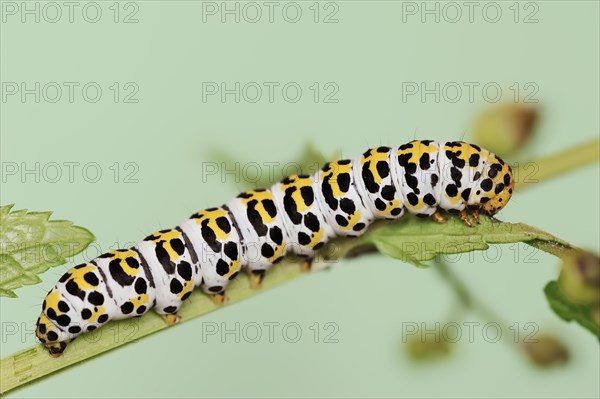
pixel 171 132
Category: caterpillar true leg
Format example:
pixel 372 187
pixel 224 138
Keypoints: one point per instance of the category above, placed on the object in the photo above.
pixel 464 217
pixel 475 214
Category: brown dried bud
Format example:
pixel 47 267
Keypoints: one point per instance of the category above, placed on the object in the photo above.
pixel 546 351
pixel 427 350
pixel 427 346
pixel 505 128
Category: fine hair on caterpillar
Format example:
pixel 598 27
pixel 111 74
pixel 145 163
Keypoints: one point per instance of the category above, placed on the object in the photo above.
pixel 258 228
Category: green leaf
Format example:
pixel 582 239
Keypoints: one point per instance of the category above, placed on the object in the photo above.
pixel 30 244
pixel 568 311
pixel 416 240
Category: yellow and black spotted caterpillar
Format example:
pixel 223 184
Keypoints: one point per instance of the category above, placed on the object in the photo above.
pixel 259 227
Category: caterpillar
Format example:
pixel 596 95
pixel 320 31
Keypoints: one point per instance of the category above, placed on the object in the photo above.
pixel 259 227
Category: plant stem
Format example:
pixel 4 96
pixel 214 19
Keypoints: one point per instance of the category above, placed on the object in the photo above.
pixel 463 295
pixel 560 250
pixel 460 289
pixel 529 173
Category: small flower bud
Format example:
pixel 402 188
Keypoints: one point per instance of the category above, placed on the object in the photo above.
pixel 427 347
pixel 580 278
pixel 546 351
pixel 420 350
pixel 505 128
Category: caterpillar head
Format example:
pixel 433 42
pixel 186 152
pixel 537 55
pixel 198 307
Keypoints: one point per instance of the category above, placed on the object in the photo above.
pixel 53 338
pixel 501 184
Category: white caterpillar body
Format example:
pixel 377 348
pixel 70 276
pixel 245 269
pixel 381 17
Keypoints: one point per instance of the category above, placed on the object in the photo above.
pixel 259 227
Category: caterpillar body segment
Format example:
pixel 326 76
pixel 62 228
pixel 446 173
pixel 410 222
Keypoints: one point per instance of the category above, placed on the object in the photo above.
pixel 304 221
pixel 374 173
pixel 262 229
pixel 214 237
pixel 174 273
pixel 340 201
pixel 259 227
pixel 129 283
pixel 462 166
pixel 418 174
